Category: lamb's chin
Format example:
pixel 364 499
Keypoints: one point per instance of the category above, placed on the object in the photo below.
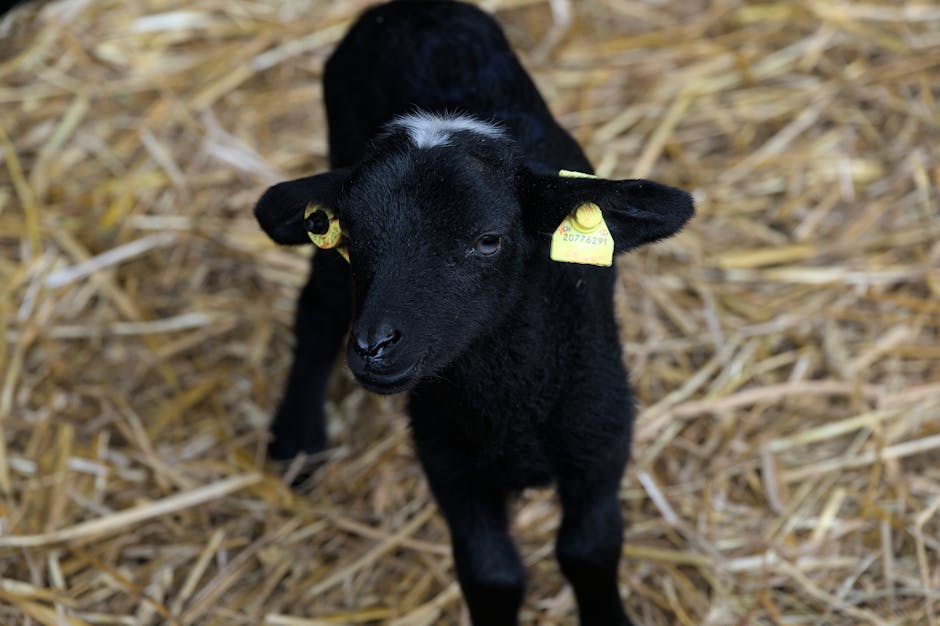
pixel 387 385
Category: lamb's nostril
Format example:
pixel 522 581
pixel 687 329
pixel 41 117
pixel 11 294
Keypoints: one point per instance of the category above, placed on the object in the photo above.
pixel 361 346
pixel 372 345
pixel 384 339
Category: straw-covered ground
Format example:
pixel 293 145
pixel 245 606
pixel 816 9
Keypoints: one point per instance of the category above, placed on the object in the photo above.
pixel 785 348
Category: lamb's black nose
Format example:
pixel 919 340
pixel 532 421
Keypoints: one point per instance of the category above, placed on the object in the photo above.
pixel 376 342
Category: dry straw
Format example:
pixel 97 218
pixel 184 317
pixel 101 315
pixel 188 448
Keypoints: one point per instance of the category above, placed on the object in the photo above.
pixel 785 348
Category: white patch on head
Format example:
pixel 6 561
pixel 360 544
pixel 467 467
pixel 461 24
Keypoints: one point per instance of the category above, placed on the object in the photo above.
pixel 428 130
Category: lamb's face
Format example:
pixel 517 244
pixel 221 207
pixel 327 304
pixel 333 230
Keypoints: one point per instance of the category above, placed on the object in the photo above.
pixel 440 222
pixel 437 248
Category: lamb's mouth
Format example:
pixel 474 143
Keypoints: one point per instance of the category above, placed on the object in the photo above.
pixel 387 384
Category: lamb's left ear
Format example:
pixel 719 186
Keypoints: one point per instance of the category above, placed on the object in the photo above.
pixel 280 211
pixel 635 211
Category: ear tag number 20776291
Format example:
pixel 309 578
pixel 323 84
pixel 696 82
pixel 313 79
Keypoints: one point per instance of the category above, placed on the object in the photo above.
pixel 324 230
pixel 583 236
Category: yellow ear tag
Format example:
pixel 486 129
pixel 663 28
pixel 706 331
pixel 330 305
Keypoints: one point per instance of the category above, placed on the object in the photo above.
pixel 324 230
pixel 583 237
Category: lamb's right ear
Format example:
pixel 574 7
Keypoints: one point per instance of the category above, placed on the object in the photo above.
pixel 280 211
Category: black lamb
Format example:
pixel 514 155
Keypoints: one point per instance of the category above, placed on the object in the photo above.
pixel 448 197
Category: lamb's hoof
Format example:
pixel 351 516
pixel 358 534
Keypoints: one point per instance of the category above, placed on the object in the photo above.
pixel 298 469
pixel 297 456
pixel 285 449
pixel 296 429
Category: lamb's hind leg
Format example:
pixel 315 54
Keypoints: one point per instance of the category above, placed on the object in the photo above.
pixel 322 320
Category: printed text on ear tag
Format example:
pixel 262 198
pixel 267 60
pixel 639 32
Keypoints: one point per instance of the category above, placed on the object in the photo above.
pixel 583 237
pixel 324 230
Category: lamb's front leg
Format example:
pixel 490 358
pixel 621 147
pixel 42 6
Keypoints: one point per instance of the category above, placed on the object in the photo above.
pixel 589 544
pixel 491 574
pixel 321 321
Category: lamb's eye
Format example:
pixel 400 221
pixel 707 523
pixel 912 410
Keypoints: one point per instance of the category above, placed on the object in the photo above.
pixel 488 245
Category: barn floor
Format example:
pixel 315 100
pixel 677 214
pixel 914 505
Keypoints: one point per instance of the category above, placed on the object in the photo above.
pixel 785 348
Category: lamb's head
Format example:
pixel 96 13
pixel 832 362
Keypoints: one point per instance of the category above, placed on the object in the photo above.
pixel 443 221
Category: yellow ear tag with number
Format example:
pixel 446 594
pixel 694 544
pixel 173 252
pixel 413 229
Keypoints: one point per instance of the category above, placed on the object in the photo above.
pixel 324 230
pixel 583 236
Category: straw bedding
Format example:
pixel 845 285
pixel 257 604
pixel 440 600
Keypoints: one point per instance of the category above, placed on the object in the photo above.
pixel 785 348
